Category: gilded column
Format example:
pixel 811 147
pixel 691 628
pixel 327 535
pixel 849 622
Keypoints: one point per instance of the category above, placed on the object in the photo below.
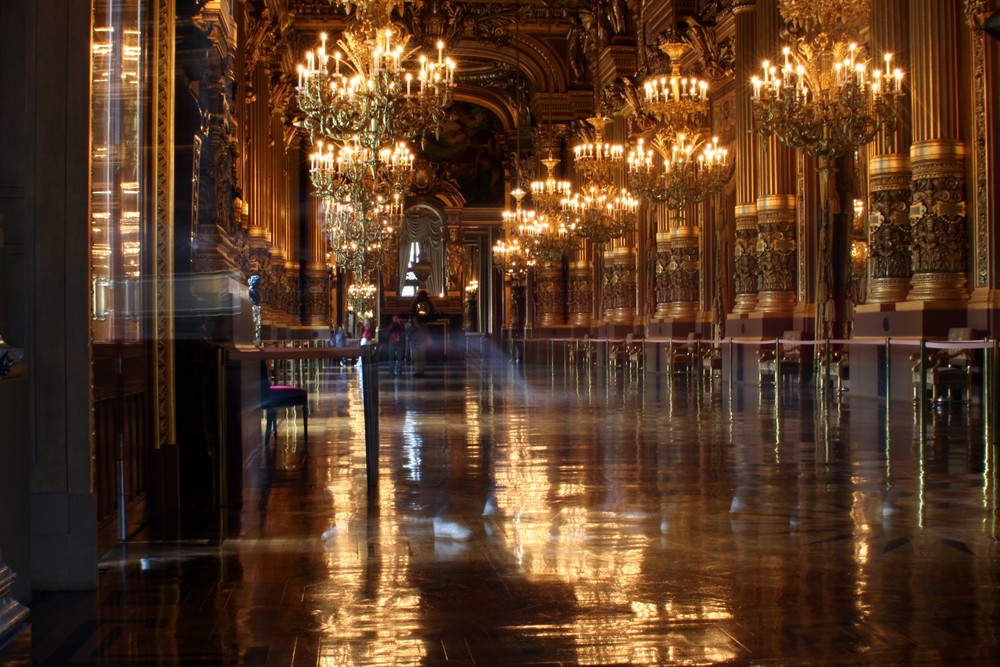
pixel 776 240
pixel 550 294
pixel 580 291
pixel 620 277
pixel 662 275
pixel 745 257
pixel 684 270
pixel 316 291
pixel 889 174
pixel 745 243
pixel 619 285
pixel 937 155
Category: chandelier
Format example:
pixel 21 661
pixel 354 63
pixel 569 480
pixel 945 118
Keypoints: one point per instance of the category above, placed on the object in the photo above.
pixel 513 254
pixel 361 299
pixel 677 103
pixel 362 238
pixel 349 172
pixel 598 217
pixel 375 87
pixel 681 178
pixel 598 162
pixel 826 97
pixel 550 237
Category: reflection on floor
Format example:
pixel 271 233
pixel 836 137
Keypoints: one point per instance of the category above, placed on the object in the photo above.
pixel 528 518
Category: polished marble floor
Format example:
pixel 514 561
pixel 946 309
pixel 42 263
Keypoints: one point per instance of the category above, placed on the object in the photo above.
pixel 525 517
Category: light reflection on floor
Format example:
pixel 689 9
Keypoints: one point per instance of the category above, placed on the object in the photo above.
pixel 533 518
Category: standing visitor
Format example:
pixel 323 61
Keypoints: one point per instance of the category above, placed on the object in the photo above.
pixel 396 346
pixel 367 335
pixel 340 340
pixel 420 338
pixel 421 313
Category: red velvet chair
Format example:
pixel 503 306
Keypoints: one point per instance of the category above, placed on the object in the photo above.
pixel 273 397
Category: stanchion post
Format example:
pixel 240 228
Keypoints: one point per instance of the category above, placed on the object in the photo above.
pixel 989 389
pixel 777 363
pixel 369 394
pixel 888 377
pixel 922 387
pixel 825 379
pixel 700 372
pixel 670 357
pixel 732 366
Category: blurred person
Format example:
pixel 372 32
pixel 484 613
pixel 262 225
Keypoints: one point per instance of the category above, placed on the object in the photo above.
pixel 397 350
pixel 340 340
pixel 367 335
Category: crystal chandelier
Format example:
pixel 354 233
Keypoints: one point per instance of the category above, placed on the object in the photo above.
pixel 679 168
pixel 513 254
pixel 677 103
pixel 375 87
pixel 681 178
pixel 598 162
pixel 826 97
pixel 350 172
pixel 551 238
pixel 361 299
pixel 362 238
pixel 597 217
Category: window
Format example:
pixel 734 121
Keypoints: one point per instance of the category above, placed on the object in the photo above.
pixel 410 282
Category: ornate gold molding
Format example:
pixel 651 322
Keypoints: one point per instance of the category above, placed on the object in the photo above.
pixel 983 143
pixel 163 141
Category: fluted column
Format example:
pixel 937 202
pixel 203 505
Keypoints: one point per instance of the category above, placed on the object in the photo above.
pixel 776 241
pixel 937 155
pixel 745 243
pixel 550 293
